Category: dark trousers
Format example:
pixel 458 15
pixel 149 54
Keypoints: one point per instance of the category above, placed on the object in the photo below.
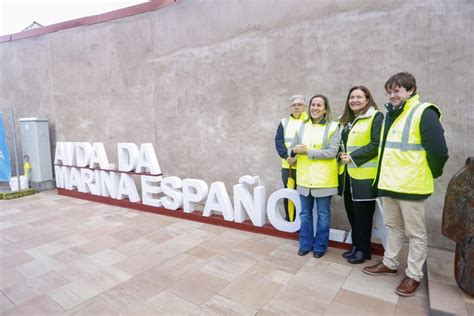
pixel 284 178
pixel 360 214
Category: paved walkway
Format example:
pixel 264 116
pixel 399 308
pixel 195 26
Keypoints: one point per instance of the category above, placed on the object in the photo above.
pixel 61 255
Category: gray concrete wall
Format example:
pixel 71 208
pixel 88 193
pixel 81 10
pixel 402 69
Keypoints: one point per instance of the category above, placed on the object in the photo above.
pixel 207 81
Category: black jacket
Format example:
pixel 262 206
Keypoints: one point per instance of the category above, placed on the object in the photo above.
pixel 362 189
pixel 280 142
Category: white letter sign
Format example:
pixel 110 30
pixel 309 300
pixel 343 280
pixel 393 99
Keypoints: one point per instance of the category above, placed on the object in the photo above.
pixel 274 215
pixel 194 190
pixel 218 200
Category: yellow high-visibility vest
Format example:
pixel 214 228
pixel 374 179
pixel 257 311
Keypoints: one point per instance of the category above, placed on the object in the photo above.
pixel 320 173
pixel 403 167
pixel 27 168
pixel 358 137
pixel 290 126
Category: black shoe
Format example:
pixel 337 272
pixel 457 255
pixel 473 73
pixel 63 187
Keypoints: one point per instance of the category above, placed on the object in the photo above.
pixel 303 252
pixel 349 253
pixel 318 254
pixel 358 257
pixel 367 256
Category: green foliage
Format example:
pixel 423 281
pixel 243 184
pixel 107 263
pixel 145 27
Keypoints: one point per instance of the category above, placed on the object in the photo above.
pixel 16 194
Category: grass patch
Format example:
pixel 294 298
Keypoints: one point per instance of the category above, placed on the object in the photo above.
pixel 16 194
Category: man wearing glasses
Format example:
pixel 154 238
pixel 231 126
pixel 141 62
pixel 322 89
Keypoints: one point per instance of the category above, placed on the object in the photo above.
pixel 284 135
pixel 412 153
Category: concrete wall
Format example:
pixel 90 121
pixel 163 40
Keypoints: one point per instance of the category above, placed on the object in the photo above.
pixel 207 81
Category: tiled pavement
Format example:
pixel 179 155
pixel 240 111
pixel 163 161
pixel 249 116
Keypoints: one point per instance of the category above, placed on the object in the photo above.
pixel 444 294
pixel 61 255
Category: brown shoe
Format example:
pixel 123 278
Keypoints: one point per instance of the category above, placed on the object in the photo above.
pixel 408 287
pixel 379 269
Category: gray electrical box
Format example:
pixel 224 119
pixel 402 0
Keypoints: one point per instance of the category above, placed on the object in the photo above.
pixel 35 143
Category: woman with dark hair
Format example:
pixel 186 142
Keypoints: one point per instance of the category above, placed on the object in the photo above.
pixel 315 146
pixel 361 122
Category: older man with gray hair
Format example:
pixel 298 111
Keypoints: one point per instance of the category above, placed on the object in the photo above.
pixel 285 132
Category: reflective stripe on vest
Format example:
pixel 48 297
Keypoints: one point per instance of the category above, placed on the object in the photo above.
pixel 403 167
pixel 360 136
pixel 290 126
pixel 319 173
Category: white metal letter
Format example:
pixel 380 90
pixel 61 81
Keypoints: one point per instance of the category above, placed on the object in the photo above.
pixel 75 180
pixel 98 158
pixel 174 198
pixel 275 217
pixel 151 187
pixel 147 161
pixel 127 156
pixel 88 180
pixel 62 177
pixel 194 190
pixel 109 183
pixel 83 153
pixel 245 204
pixel 127 188
pixel 218 200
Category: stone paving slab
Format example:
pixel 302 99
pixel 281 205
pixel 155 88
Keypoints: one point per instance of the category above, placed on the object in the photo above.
pixel 445 295
pixel 61 256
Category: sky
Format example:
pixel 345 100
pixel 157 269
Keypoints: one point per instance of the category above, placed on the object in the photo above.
pixel 15 15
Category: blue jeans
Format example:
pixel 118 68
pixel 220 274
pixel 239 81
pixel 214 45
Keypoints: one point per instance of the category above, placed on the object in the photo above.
pixel 308 241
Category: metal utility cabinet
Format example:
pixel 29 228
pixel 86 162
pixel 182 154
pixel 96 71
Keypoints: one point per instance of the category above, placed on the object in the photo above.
pixel 35 143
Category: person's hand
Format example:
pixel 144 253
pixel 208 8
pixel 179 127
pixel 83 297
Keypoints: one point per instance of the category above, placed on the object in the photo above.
pixel 345 158
pixel 300 149
pixel 291 160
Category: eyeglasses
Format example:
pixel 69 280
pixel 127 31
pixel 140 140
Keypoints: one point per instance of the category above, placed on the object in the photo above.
pixel 297 104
